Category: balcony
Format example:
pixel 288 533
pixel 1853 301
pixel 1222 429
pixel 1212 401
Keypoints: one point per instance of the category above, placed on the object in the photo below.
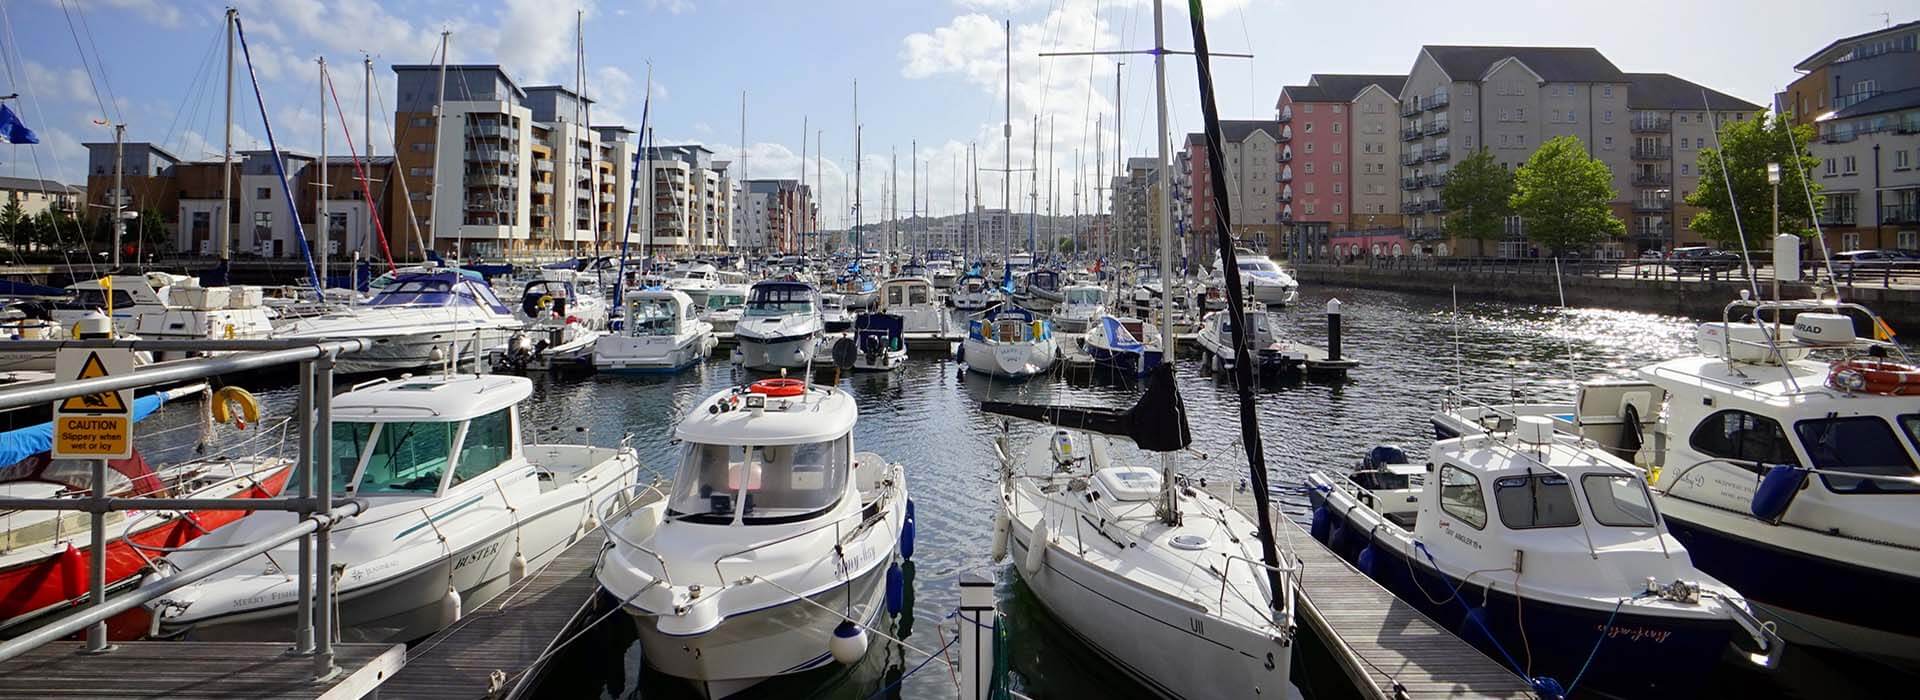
pixel 1653 231
pixel 606 197
pixel 1651 180
pixel 1286 116
pixel 1286 175
pixel 1410 206
pixel 1908 213
pixel 1439 156
pixel 543 165
pixel 1286 134
pixel 543 188
pixel 1410 107
pixel 1436 101
pixel 1652 205
pixel 490 130
pixel 1437 127
pixel 1413 183
pixel 488 180
pixel 1643 152
pixel 1833 217
pixel 493 155
pixel 542 210
pixel 1410 158
pixel 1286 155
pixel 1839 136
pixel 1411 133
pixel 1651 126
pixel 1286 197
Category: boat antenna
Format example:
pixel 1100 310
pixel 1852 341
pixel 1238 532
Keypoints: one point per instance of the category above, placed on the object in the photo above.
pixel 1236 303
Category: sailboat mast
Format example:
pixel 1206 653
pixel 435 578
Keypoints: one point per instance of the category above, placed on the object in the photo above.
pixel 1099 186
pixel 1033 193
pixel 585 114
pixel 1119 154
pixel 439 131
pixel 1006 174
pixel 854 234
pixel 819 180
pixel 913 184
pixel 893 201
pixel 366 137
pixel 320 215
pixel 1170 503
pixel 226 161
pixel 802 224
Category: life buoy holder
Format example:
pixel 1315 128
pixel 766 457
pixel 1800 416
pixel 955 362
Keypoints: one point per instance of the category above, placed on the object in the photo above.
pixel 1875 376
pixel 778 387
pixel 229 398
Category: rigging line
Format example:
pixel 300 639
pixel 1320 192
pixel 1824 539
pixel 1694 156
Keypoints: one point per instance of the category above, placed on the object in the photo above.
pixel 85 65
pixel 1720 152
pixel 1826 255
pixel 190 105
pixel 106 79
pixel 279 162
pixel 406 195
pixel 10 56
pixel 360 170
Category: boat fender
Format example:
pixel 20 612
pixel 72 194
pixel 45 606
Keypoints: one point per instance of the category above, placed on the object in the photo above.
pixel 1365 560
pixel 1037 545
pixel 517 568
pixel 232 404
pixel 907 530
pixel 450 606
pixel 896 590
pixel 1321 524
pixel 1776 492
pixel 1338 538
pixel 1000 527
pixel 849 643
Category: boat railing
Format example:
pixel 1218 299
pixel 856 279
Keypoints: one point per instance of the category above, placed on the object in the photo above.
pixel 1776 345
pixel 620 504
pixel 1488 396
pixel 839 538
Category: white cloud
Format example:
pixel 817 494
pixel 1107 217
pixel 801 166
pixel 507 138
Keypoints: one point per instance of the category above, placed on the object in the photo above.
pixel 58 85
pixel 670 6
pixel 163 12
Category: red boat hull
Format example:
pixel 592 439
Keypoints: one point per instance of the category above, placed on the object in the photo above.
pixel 59 581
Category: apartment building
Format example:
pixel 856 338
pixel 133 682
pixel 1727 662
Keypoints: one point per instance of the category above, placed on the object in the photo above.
pixel 1508 100
pixel 773 214
pixel 1671 120
pixel 693 200
pixel 1136 206
pixel 1253 167
pixel 1862 92
pixel 34 195
pixel 146 175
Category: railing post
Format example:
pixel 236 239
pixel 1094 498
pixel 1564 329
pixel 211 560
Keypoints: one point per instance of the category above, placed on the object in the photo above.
pixel 977 615
pixel 322 437
pixel 97 567
pixel 303 629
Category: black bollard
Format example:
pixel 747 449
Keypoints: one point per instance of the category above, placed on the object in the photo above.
pixel 1333 330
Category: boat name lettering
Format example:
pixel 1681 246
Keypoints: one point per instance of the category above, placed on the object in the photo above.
pixel 1468 541
pixel 1659 636
pixel 484 553
pixel 360 572
pixel 267 598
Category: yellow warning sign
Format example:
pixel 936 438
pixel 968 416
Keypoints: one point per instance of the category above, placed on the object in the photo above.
pixel 93 426
pixel 104 402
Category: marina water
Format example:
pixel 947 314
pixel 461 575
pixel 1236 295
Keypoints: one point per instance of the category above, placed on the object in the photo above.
pixel 927 417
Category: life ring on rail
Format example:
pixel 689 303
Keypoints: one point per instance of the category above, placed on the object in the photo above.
pixel 778 387
pixel 1875 376
pixel 227 398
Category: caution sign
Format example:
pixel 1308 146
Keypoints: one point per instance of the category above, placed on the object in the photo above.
pixel 93 426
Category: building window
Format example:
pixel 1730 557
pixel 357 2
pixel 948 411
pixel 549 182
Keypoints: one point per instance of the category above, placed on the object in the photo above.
pixel 1336 144
pixel 263 193
pixel 1606 142
pixel 1467 116
pixel 1571 92
pixel 1337 187
pixel 422 121
pixel 1336 125
pixel 1849 165
pixel 1309 148
pixel 1336 168
pixel 1686 169
pixel 1506 116
pixel 421 147
pixel 1519 114
pixel 1309 188
pixel 1336 209
pixel 420 172
pixel 1308 108
pixel 1336 110
pixel 1830 167
pixel 1307 168
pixel 1469 143
pixel 1607 116
pixel 1309 127
pixel 1309 209
pixel 1900 160
pixel 1503 140
pixel 1606 91
pixel 1520 140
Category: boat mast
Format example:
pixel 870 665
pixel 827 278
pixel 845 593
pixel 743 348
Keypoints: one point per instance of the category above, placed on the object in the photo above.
pixel 320 207
pixel 1006 175
pixel 439 130
pixel 803 186
pixel 854 234
pixel 744 194
pixel 1100 184
pixel 584 114
pixel 366 137
pixel 819 181
pixel 1119 153
pixel 1170 503
pixel 226 164
pixel 913 183
pixel 1033 193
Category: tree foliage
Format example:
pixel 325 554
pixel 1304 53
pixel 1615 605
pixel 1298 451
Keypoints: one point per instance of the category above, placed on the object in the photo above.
pixel 1478 194
pixel 1563 194
pixel 1748 146
pixel 16 227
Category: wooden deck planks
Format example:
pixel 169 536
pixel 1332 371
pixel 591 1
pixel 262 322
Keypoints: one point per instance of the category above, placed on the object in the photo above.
pixel 196 670
pixel 1378 637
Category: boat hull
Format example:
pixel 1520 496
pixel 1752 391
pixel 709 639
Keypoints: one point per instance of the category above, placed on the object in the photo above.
pixel 421 350
pixel 1639 655
pixel 640 360
pixel 771 354
pixel 1008 360
pixel 1138 363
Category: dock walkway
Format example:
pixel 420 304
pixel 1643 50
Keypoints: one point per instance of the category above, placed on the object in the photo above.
pixel 507 635
pixel 1389 649
pixel 196 670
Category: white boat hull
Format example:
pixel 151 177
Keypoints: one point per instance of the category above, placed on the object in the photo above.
pixel 625 354
pixel 1009 360
pixel 789 353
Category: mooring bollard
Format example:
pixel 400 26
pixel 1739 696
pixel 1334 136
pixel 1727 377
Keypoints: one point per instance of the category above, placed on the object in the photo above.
pixel 977 616
pixel 1333 329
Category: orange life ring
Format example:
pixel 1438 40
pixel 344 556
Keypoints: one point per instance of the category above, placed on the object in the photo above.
pixel 1880 376
pixel 778 387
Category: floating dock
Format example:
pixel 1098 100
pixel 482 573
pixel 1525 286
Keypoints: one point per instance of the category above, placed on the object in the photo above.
pixel 197 670
pixel 1390 650
pixel 501 649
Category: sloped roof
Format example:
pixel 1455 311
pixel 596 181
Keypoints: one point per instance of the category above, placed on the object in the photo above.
pixel 1307 93
pixel 34 184
pixel 1346 86
pixel 1668 91
pixel 1552 63
pixel 1822 57
pixel 1883 102
pixel 1237 130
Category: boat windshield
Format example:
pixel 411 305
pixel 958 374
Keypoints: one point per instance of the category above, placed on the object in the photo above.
pixel 1541 500
pixel 720 301
pixel 1863 444
pixel 653 317
pixel 1083 296
pixel 907 295
pixel 97 298
pixel 401 457
pixel 765 484
pixel 774 301
pixel 1258 266
pixel 1619 500
pixel 431 292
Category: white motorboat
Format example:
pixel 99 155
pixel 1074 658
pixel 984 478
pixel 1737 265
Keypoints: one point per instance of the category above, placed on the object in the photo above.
pixel 880 343
pixel 942 274
pixel 917 303
pixel 695 279
pixel 833 313
pixel 776 538
pixel 457 509
pixel 1181 604
pixel 781 326
pixel 1265 282
pixel 1273 354
pixel 658 335
pixel 1010 342
pixel 974 293
pixel 563 316
pixel 162 306
pixel 1540 545
pixel 1081 305
pixel 1780 454
pixel 1123 344
pixel 1040 289
pixel 724 306
pixel 422 319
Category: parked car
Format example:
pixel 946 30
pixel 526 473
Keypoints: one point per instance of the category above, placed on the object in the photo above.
pixel 1856 261
pixel 1702 259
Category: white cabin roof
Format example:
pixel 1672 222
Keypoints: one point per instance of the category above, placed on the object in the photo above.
pixel 1798 382
pixel 438 399
pixel 820 415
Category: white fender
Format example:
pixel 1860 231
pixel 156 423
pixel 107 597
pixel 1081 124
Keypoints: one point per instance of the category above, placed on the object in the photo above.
pixel 517 568
pixel 1001 525
pixel 450 605
pixel 1037 545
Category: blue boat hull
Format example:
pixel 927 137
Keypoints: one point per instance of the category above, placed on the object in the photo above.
pixel 1641 656
pixel 1137 363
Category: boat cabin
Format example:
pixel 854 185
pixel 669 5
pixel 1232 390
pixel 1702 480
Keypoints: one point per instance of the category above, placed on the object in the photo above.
pixel 906 291
pixel 548 298
pixel 418 437
pixel 781 297
pixel 657 312
pixel 1009 324
pixel 1044 280
pixel 1085 295
pixel 439 288
pixel 780 451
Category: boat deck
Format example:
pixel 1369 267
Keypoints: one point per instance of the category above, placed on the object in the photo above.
pixel 1388 649
pixel 196 670
pixel 508 635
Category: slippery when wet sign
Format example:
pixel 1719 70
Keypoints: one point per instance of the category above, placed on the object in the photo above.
pixel 93 426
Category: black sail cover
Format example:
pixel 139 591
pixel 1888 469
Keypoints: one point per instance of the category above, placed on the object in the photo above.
pixel 1156 423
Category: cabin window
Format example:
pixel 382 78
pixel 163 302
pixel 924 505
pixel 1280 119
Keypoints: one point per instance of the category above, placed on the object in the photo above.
pixel 97 298
pixel 1460 496
pixel 1911 424
pixel 896 296
pixel 1619 500
pixel 1540 500
pixel 349 442
pixel 1743 436
pixel 769 484
pixel 489 441
pixel 917 295
pixel 773 301
pixel 1858 444
pixel 407 458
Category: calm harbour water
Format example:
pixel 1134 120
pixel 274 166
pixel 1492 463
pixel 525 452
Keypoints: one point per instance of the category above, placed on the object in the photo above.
pixel 927 417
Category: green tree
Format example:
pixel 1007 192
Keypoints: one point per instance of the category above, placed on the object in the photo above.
pixel 1478 195
pixel 15 227
pixel 1748 146
pixel 1563 196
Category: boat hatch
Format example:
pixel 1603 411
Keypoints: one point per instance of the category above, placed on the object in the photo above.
pixel 1129 483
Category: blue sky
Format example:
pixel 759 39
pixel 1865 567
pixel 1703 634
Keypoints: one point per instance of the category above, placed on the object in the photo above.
pixel 928 69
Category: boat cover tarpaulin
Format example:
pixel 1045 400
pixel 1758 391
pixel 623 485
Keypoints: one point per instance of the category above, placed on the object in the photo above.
pixel 10 288
pixel 1157 423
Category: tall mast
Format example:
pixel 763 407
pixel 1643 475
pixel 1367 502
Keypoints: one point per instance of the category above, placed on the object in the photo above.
pixel 1119 153
pixel 366 137
pixel 1099 184
pixel 802 204
pixel 913 184
pixel 439 130
pixel 819 179
pixel 744 194
pixel 320 207
pixel 1170 504
pixel 893 201
pixel 1033 194
pixel 119 191
pixel 585 115
pixel 1006 176
pixel 854 233
pixel 226 161
pixel 972 240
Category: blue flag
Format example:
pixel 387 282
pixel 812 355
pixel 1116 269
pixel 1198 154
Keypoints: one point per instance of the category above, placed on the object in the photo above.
pixel 12 130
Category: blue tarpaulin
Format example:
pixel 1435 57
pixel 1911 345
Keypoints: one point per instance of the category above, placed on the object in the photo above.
pixel 16 445
pixel 10 288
